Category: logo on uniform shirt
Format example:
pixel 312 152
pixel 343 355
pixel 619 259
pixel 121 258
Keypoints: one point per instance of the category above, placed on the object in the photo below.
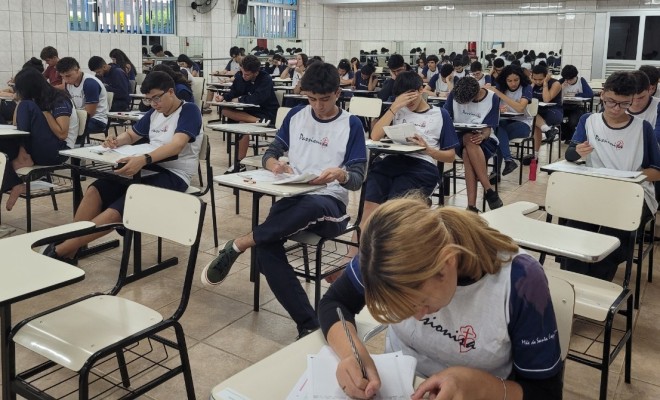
pixel 465 336
pixel 419 125
pixel 323 142
pixel 617 145
pixel 471 114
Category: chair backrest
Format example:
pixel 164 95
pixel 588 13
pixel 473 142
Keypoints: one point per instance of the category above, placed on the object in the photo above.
pixel 3 164
pixel 132 86
pixel 595 200
pixel 281 113
pixel 82 122
pixel 563 303
pixel 139 78
pixel 379 70
pixel 365 107
pixel 204 150
pixel 279 95
pixel 111 97
pixel 198 84
pixel 533 107
pixel 151 209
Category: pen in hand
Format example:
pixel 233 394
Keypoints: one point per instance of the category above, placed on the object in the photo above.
pixel 350 339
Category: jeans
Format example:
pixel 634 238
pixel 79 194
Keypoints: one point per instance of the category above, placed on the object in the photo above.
pixel 508 130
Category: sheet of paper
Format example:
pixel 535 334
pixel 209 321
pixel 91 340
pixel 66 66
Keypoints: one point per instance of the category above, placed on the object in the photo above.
pixel 127 150
pixel 400 133
pixel 583 169
pixel 462 125
pixel 265 176
pixel 230 394
pixel 396 372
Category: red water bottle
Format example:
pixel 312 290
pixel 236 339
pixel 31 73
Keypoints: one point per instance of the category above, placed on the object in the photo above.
pixel 532 169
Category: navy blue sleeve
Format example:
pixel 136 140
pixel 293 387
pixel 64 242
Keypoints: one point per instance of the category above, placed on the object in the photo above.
pixel 456 79
pixel 580 134
pixel 587 92
pixel 527 93
pixel 433 81
pixel 425 70
pixel 62 109
pixel 228 67
pixel 190 121
pixel 492 119
pixel 117 82
pixel 449 105
pixel 92 91
pixel 448 138
pixel 236 89
pixel 651 157
pixel 142 127
pixel 488 79
pixel 532 326
pixel 263 90
pixel 386 91
pixel 356 148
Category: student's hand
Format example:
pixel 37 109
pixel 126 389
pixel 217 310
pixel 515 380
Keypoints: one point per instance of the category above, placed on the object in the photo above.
pixel 584 149
pixel 477 137
pixel 417 140
pixel 329 175
pixel 300 70
pixel 281 167
pixel 564 85
pixel 218 98
pixel 504 108
pixel 349 377
pixel 487 86
pixel 403 100
pixel 110 143
pixel 548 76
pixel 133 165
pixel 452 383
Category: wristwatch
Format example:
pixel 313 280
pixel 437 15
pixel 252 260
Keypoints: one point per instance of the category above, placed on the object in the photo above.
pixel 147 158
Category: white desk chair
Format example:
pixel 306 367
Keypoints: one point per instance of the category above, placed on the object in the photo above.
pixel 366 107
pixel 97 327
pixel 255 161
pixel 198 85
pixel 139 78
pixel 204 157
pixel 525 146
pixel 563 303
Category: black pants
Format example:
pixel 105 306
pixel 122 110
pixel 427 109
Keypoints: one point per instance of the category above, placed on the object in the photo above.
pixel 573 114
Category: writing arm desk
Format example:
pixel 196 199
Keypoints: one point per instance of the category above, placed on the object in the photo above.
pixel 258 190
pixel 25 274
pixel 579 169
pixel 100 166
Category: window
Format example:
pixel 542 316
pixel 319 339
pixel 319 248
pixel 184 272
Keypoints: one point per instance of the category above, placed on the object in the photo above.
pixel 269 19
pixel 651 48
pixel 622 44
pixel 142 17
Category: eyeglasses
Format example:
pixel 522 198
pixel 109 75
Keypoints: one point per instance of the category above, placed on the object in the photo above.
pixel 153 100
pixel 624 105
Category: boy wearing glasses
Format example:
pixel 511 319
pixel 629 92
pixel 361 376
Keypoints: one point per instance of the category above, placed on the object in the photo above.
pixel 172 127
pixel 616 140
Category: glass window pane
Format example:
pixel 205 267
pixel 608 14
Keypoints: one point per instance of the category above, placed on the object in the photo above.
pixel 622 44
pixel 651 47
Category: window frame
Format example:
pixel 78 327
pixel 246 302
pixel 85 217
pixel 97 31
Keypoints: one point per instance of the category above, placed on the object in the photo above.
pixel 115 14
pixel 248 23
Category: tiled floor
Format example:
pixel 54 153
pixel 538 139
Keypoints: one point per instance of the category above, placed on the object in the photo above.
pixel 225 336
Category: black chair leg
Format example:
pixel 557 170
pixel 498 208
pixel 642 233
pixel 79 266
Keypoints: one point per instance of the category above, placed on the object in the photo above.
pixel 185 361
pixel 123 370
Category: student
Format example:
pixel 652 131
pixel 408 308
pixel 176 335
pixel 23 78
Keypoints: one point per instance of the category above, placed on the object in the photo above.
pixel 295 72
pixel 644 106
pixel 87 93
pixel 541 58
pixel 515 92
pixel 459 69
pixel 396 66
pixel 442 82
pixel 115 81
pixel 189 66
pixel 469 103
pixel 50 57
pixel 546 89
pixel 48 114
pixel 120 59
pixel 654 75
pixel 182 88
pixel 573 85
pixel 431 68
pixel 614 139
pixel 276 66
pixel 365 79
pixel 173 128
pixel 421 65
pixel 462 298
pixel 345 73
pixel 476 70
pixel 157 51
pixel 498 66
pixel 234 65
pixel 355 65
pixel 253 86
pixel 322 139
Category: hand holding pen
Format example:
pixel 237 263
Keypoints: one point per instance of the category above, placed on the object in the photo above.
pixel 357 375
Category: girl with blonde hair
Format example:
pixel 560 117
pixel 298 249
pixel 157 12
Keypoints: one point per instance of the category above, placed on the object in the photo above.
pixel 462 298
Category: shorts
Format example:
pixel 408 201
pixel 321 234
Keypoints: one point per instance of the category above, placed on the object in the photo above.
pixel 396 175
pixel 488 146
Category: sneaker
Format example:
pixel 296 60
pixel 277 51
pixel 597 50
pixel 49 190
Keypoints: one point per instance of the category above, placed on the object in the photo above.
pixel 230 170
pixel 509 167
pixel 49 251
pixel 550 135
pixel 207 111
pixel 473 209
pixel 493 178
pixel 217 270
pixel 493 199
pixel 304 332
pixel 527 160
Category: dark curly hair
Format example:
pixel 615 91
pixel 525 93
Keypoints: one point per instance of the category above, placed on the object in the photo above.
pixel 466 90
pixel 511 70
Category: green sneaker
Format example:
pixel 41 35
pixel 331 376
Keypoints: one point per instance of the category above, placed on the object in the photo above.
pixel 217 270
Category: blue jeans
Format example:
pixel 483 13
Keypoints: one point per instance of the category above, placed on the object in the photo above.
pixel 508 130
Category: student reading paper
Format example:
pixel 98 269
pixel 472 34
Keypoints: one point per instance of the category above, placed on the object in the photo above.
pixel 460 297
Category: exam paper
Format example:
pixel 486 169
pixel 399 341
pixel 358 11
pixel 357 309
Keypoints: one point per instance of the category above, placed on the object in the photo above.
pixel 128 150
pixel 400 133
pixel 265 176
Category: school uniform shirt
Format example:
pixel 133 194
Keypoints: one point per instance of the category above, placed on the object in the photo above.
pixel 428 74
pixel 361 84
pixel 434 125
pixel 523 92
pixel 486 111
pixel 295 77
pixel 537 93
pixel 501 323
pixel 184 92
pixel 315 145
pixel 650 114
pixel 233 66
pixel 580 89
pixel 116 81
pixel 630 148
pixel 187 73
pixel 486 79
pixel 160 130
pixel 436 83
pixel 346 76
pixel 90 91
pixel 52 76
pixel 65 109
pixel 260 91
pixel 459 75
pixel 657 91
